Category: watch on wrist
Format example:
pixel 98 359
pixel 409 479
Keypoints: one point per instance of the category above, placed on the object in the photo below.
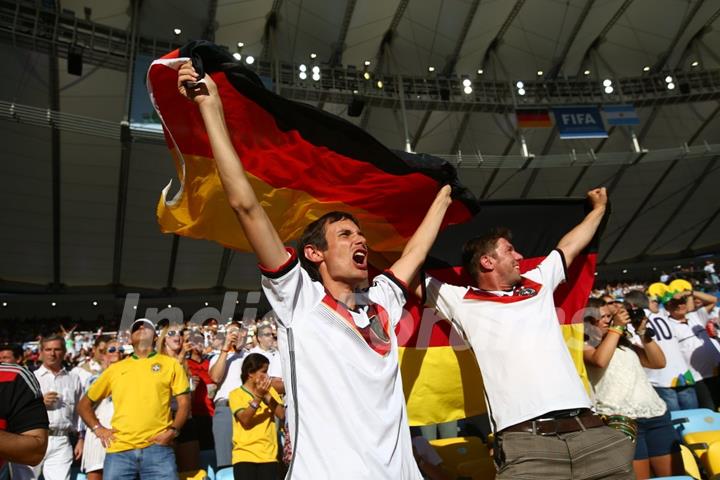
pixel 254 405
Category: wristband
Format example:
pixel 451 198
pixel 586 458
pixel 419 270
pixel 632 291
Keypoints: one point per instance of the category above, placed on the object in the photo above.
pixel 618 330
pixel 96 427
pixel 254 405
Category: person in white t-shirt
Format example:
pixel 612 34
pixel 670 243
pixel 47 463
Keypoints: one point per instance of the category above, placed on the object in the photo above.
pixel 345 402
pixel 538 405
pixel 701 352
pixel 266 346
pixel 674 383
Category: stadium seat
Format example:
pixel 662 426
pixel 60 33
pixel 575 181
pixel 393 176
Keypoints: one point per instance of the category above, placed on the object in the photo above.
pixel 689 463
pixel 193 475
pixel 207 462
pixel 696 420
pixel 224 474
pixel 711 460
pixel 699 442
pixel 465 457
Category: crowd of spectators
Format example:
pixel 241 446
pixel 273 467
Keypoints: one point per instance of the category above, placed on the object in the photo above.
pixel 645 357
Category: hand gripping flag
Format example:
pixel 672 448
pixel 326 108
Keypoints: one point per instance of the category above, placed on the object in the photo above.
pixel 301 161
pixel 441 379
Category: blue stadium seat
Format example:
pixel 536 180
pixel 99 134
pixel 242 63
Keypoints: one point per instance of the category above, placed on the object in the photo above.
pixel 224 474
pixel 696 420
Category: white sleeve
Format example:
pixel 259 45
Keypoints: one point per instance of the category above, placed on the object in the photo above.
pixel 390 293
pixel 552 271
pixel 289 288
pixel 443 297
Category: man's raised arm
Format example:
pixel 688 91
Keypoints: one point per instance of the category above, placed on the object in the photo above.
pixel 579 237
pixel 417 248
pixel 260 232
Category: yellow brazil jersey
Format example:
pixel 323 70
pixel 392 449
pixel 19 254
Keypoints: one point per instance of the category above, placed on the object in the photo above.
pixel 259 443
pixel 141 389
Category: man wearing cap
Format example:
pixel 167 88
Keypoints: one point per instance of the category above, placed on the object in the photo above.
pixel 139 439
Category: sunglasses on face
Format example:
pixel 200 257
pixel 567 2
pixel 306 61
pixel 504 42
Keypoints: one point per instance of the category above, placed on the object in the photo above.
pixel 172 333
pixel 113 350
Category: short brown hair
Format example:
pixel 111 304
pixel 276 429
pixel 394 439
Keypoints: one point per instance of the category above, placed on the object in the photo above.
pixel 314 234
pixel 53 338
pixel 482 245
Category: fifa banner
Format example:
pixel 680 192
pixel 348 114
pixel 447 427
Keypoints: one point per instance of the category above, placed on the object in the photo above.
pixel 579 122
pixel 441 378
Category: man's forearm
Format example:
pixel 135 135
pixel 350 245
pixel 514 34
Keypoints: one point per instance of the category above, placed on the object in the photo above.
pixel 183 411
pixel 419 245
pixel 258 229
pixel 27 448
pixel 579 237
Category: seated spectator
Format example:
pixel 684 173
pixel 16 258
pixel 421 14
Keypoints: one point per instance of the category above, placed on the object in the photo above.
pixel 621 388
pixel 255 405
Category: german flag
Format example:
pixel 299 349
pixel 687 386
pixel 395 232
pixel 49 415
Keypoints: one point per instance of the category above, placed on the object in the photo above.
pixel 441 379
pixel 302 162
pixel 533 118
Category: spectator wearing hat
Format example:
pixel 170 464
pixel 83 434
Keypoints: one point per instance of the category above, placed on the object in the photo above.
pixel 140 436
pixel 701 352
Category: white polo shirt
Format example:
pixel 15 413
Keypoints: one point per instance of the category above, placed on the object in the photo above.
pixel 526 366
pixel 351 419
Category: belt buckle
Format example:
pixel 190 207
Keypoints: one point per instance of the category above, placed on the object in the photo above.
pixel 545 421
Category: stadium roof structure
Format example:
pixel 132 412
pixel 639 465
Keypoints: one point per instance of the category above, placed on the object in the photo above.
pixel 80 183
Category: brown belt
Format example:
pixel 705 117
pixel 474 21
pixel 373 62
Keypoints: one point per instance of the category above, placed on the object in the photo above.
pixel 553 426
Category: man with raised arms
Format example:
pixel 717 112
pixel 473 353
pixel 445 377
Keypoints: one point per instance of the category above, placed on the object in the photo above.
pixel 538 406
pixel 339 353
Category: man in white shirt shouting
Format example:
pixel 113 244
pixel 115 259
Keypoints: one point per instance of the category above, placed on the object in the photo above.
pixel 339 353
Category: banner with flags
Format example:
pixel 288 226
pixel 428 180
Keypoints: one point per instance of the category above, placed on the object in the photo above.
pixel 533 118
pixel 619 115
pixel 579 122
pixel 301 161
pixel 441 378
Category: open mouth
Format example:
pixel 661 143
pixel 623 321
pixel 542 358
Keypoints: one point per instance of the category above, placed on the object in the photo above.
pixel 360 259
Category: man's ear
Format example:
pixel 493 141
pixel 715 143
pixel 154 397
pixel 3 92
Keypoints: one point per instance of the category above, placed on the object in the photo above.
pixel 486 262
pixel 314 254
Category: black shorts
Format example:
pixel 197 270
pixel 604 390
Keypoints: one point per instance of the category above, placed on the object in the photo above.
pixel 656 437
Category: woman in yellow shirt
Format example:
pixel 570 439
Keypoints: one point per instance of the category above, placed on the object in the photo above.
pixel 254 406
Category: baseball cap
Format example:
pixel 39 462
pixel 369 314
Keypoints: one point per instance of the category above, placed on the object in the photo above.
pixel 136 324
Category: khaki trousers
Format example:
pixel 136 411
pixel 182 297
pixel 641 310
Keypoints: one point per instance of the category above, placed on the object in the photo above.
pixel 595 453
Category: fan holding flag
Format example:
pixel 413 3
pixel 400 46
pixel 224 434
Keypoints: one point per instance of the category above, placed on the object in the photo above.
pixel 339 352
pixel 537 403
